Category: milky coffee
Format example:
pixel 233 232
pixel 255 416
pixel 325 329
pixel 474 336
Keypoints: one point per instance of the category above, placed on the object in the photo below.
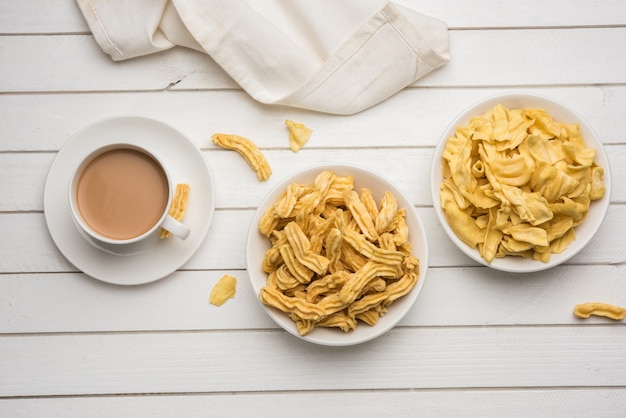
pixel 122 193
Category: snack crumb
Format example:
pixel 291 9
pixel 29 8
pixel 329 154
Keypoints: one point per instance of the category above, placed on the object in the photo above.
pixel 299 134
pixel 584 310
pixel 224 289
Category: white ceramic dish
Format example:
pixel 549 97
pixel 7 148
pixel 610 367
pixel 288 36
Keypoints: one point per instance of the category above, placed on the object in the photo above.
pixel 162 257
pixel 560 113
pixel 258 244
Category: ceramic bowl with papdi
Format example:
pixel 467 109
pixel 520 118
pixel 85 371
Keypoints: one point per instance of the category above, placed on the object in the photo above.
pixel 560 113
pixel 258 244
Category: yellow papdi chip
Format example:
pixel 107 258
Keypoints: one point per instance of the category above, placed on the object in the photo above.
pixel 515 182
pixel 224 289
pixel 248 149
pixel 178 206
pixel 336 258
pixel 299 134
pixel 584 310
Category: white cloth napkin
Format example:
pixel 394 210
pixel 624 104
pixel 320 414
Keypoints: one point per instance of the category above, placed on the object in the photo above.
pixel 330 56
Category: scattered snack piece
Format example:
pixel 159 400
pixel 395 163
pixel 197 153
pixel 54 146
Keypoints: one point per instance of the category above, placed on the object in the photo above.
pixel 584 310
pixel 334 262
pixel 224 289
pixel 178 207
pixel 516 182
pixel 299 134
pixel 248 149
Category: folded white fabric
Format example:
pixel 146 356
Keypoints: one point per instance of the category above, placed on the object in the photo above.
pixel 330 56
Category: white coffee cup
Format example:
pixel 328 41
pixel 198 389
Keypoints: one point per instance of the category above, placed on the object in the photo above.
pixel 120 196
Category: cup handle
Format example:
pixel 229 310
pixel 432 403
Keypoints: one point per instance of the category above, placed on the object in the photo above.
pixel 175 227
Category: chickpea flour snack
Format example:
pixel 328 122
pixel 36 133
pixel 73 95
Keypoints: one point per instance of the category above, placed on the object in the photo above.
pixel 248 149
pixel 299 134
pixel 337 257
pixel 178 206
pixel 584 310
pixel 224 289
pixel 517 183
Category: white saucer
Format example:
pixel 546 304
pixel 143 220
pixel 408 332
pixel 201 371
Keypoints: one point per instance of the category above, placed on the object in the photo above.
pixel 164 256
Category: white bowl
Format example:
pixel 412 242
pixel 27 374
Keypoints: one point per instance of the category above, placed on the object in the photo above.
pixel 560 113
pixel 258 244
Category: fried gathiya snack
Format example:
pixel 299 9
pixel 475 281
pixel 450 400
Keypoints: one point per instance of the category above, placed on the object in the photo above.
pixel 224 289
pixel 248 149
pixel 328 266
pixel 584 310
pixel 516 182
pixel 178 207
pixel 299 134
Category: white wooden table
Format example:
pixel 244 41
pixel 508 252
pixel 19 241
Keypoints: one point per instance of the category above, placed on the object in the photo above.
pixel 477 343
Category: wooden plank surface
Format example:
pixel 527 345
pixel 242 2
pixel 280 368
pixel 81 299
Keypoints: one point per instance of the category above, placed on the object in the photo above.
pixel 217 361
pixel 225 244
pixel 72 302
pixel 511 403
pixel 604 402
pixel 63 16
pixel 25 173
pixel 522 57
pixel 478 342
pixel 411 118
